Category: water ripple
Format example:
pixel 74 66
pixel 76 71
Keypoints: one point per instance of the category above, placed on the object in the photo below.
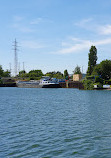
pixel 54 123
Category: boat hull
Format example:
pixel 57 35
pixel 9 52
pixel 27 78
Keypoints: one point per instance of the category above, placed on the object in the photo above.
pixel 51 86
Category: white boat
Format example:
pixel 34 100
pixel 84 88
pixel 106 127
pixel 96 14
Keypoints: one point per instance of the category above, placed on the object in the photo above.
pixel 47 82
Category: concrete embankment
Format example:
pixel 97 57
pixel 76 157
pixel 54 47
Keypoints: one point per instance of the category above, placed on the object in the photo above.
pixel 8 85
pixel 72 84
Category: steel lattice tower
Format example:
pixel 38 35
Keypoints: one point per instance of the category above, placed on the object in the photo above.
pixel 15 58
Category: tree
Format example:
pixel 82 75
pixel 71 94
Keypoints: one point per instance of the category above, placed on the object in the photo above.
pixel 22 73
pixel 55 74
pixel 103 69
pixel 1 71
pixel 97 70
pixel 92 60
pixel 6 73
pixel 77 70
pixel 66 74
pixel 58 75
pixel 35 74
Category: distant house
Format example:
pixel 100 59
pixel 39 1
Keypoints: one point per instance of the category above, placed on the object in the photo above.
pixel 78 77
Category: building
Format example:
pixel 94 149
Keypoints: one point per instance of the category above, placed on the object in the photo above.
pixel 77 77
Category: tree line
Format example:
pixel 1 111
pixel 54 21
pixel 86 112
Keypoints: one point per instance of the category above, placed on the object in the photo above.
pixel 37 74
pixel 98 74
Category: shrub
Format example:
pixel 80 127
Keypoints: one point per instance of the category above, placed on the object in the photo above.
pixel 88 84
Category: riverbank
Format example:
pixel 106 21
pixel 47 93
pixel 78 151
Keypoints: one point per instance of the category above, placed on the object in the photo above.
pixel 66 84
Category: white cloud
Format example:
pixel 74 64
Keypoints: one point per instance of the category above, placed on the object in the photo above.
pixel 93 26
pixel 82 45
pixel 102 42
pixel 105 30
pixel 83 22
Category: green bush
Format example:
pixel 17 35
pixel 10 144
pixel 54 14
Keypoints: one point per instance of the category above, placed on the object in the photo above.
pixel 88 84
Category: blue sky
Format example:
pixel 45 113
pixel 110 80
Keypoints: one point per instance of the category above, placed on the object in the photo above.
pixel 54 35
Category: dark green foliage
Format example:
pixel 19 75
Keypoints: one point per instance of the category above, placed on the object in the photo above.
pixel 66 75
pixel 77 70
pixel 98 79
pixel 90 77
pixel 96 70
pixel 103 69
pixel 1 82
pixel 92 60
pixel 22 72
pixel 55 74
pixel 32 75
pixel 107 82
pixel 1 71
pixel 4 73
pixel 88 84
pixel 35 74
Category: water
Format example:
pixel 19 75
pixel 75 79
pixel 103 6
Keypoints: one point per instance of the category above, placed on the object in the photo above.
pixel 55 123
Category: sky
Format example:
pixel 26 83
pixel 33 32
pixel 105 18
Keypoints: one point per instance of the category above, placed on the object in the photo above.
pixel 54 35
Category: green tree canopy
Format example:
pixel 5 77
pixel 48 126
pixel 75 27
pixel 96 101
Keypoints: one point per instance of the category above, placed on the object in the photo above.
pixel 55 74
pixel 92 60
pixel 35 73
pixel 4 73
pixel 66 74
pixel 23 73
pixel 103 69
pixel 77 70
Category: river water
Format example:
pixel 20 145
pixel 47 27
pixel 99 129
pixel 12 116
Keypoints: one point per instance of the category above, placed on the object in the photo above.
pixel 55 123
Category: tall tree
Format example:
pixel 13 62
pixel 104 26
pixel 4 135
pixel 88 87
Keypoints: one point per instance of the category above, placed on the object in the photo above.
pixel 66 74
pixel 92 60
pixel 1 71
pixel 77 70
